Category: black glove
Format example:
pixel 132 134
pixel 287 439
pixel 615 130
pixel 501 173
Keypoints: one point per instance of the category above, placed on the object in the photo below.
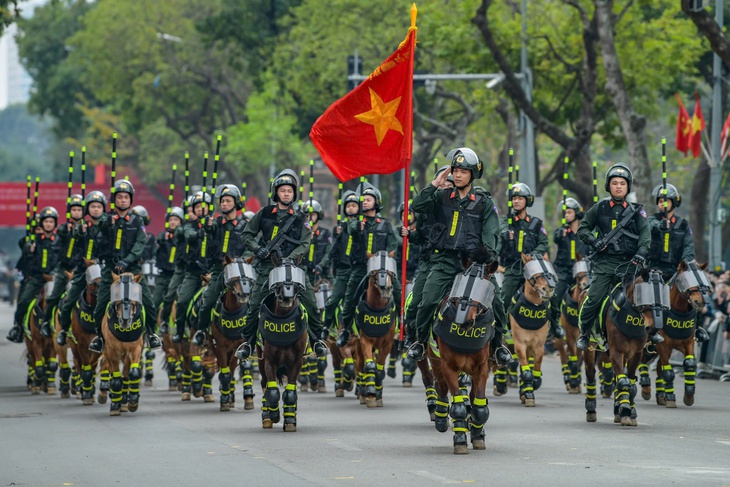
pixel 201 233
pixel 639 260
pixel 325 335
pixel 121 266
pixel 262 253
pixel 598 244
pixel 318 269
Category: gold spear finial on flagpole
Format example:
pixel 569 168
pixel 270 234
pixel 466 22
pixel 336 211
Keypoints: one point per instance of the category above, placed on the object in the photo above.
pixel 414 14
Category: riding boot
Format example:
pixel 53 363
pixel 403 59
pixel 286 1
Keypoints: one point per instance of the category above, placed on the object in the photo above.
pixel 46 328
pixel 61 337
pixel 343 337
pixel 15 334
pixel 244 350
pixel 701 334
pixel 655 336
pixel 154 341
pixel 199 338
pixel 557 330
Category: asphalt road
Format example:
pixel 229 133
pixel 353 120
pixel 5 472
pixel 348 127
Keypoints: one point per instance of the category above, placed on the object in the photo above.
pixel 49 441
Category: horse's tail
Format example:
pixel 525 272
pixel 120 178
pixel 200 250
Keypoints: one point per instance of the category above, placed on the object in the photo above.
pixel 281 372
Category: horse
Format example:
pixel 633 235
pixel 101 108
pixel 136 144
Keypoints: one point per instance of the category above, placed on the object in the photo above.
pixel 171 353
pixel 123 329
pixel 83 330
pixel 64 367
pixel 690 292
pixel 40 349
pixel 229 317
pixel 528 317
pixel 196 362
pixel 375 320
pixel 283 330
pixel 570 307
pixel 630 308
pixel 460 342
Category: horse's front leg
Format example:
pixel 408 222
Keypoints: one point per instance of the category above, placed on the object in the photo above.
pixel 644 377
pixel 589 359
pixel 457 410
pixel 527 378
pixel 665 392
pixel 428 383
pixel 441 403
pixel 111 360
pixel 246 382
pixel 296 355
pixel 479 404
pixel 621 396
pixel 133 371
pixel 370 370
pixel 690 368
pixel 270 411
pixel 386 346
pixel 631 366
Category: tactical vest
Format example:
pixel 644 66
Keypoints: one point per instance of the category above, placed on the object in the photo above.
pixel 270 225
pixel 628 239
pixel 337 255
pixel 568 247
pixel 667 247
pixel 149 251
pixel 92 244
pixel 281 331
pixel 228 239
pixel 45 257
pixel 71 249
pixel 85 314
pixel 122 235
pixel 527 315
pixel 317 248
pixel 459 229
pixel 679 326
pixel 424 227
pixel 524 241
pixel 167 252
pixel 629 321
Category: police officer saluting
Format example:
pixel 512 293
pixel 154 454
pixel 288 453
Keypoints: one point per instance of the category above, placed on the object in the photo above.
pixel 618 253
pixel 465 220
pixel 275 222
pixel 125 234
pixel 671 239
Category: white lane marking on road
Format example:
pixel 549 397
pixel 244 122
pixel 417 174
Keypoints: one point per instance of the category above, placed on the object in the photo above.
pixel 432 476
pixel 724 442
pixel 341 445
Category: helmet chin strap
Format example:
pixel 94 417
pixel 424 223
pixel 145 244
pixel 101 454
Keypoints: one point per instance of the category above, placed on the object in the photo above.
pixel 617 200
pixel 226 212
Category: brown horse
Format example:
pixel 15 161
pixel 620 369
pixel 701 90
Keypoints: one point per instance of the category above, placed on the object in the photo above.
pixel 627 311
pixel 461 343
pixel 229 318
pixel 123 330
pixel 83 331
pixel 689 294
pixel 173 365
pixel 570 356
pixel 62 350
pixel 197 362
pixel 283 330
pixel 528 319
pixel 40 348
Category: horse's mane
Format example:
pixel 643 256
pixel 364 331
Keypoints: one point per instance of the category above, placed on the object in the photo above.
pixel 482 255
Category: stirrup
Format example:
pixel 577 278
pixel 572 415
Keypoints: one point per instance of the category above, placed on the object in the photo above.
pixel 503 356
pixel 417 351
pixel 558 331
pixel 582 343
pixel 320 349
pixel 243 352
pixel 199 338
pixel 97 344
pixel 45 329
pixel 154 341
pixel 61 338
pixel 343 337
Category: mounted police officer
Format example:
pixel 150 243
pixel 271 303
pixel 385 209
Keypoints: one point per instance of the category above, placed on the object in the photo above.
pixel 465 220
pixel 41 257
pixel 617 253
pixel 369 236
pixel 166 259
pixel 275 222
pixel 126 239
pixel 68 259
pixel 150 245
pixel 569 247
pixel 178 247
pixel 226 241
pixel 89 243
pixel 671 240
pixel 318 255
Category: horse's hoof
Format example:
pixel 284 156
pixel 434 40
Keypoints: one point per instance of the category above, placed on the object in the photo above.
pixel 148 382
pixel 605 395
pixel 349 386
pixel 661 401
pixel 522 398
pixel 102 398
pixel 529 403
pixel 125 408
pixel 408 384
pixel 35 390
pixel 65 395
pixel 290 428
pixel 115 412
pixel 433 417
pixel 671 404
pixel 646 393
pixel 616 418
pixel 88 401
pixel 688 400
pixel 574 390
pixel 339 393
pixel 567 387
pixel 378 403
pixel 496 392
pixel 304 387
pixel 171 388
pixel 179 387
pixel 208 398
pixel 51 390
pixel 479 444
pixel 185 396
pixel 591 417
pixel 371 402
pixel 225 408
pixel 248 403
pixel 634 422
pixel 267 424
pixel 197 393
pixel 626 421
pixel 321 388
pixel 78 395
pixel 362 399
pixel 133 406
pixel 461 449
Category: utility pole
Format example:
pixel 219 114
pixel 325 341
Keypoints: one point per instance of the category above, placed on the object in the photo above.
pixel 716 211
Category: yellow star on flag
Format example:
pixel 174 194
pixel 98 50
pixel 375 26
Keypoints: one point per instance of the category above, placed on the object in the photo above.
pixel 381 116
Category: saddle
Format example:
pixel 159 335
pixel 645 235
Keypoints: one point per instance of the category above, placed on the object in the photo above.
pixel 570 308
pixel 622 313
pixel 229 323
pixel 375 323
pixel 281 331
pixel 529 316
pixel 464 338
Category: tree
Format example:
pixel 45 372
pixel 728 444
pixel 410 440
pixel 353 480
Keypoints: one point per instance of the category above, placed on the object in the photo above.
pixel 8 13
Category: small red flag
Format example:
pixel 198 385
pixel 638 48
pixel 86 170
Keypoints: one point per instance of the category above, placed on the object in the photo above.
pixel 724 138
pixel 369 130
pixel 683 128
pixel 698 125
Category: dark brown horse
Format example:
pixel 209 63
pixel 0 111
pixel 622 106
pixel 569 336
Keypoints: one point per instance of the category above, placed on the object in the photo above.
pixel 229 319
pixel 283 330
pixel 40 349
pixel 570 356
pixel 197 362
pixel 461 343
pixel 64 367
pixel 628 310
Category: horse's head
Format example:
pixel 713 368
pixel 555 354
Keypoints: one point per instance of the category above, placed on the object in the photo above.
pixel 540 274
pixel 46 291
pixel 648 294
pixel 239 277
pixel 125 297
pixel 286 281
pixel 93 277
pixel 472 292
pixel 692 283
pixel 322 292
pixel 581 273
pixel 381 270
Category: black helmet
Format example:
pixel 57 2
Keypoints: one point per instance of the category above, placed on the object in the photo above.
pixel 200 197
pixel 76 200
pixel 287 177
pixel 350 196
pixel 124 186
pixel 619 170
pixel 95 196
pixel 175 211
pixel 142 212
pixel 402 207
pixel 233 191
pixel 369 189
pixel 467 159
pixel 572 204
pixel 316 208
pixel 48 212
pixel 672 194
pixel 521 189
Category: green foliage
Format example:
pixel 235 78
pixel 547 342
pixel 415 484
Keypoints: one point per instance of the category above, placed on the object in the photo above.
pixel 8 13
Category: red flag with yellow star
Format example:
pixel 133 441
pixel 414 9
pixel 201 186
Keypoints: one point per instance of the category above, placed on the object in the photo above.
pixel 369 130
pixel 698 125
pixel 684 126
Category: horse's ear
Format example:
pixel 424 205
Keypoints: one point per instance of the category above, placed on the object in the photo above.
pixel 248 260
pixel 138 278
pixel 89 262
pixel 682 266
pixel 115 277
pixel 275 258
pixel 703 266
pixel 228 260
pixel 492 267
pixel 48 277
pixel 501 269
pixel 526 258
pixel 298 260
pixel 578 257
pixel 69 275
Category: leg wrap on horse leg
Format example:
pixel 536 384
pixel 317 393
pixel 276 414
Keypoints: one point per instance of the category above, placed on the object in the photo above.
pixel 479 416
pixel 621 395
pixel 115 387
pixel 379 377
pixel 464 383
pixel 186 381
pixel 690 368
pixel 409 368
pixel 458 415
pixel 431 399
pixel 51 369
pixel 290 404
pixel 565 370
pixel 149 357
pixel 208 374
pixel 135 377
pixel 338 379
pixel 65 375
pixel 313 368
pixel 512 369
pixel 391 364
pixel 527 382
pixel 537 381
pixel 104 378
pixel 668 376
pixel 591 397
pixel 607 378
pixel 272 397
pixel 348 369
pixel 196 371
pixel 369 376
pixel 171 373
pixel 247 379
pixel 40 372
pixel 87 376
pixel 224 377
pixel 304 374
pixel 644 379
pixel 500 380
pixel 442 414
pixel 574 367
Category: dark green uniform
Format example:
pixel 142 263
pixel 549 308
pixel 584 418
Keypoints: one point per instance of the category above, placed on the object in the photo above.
pixel 198 247
pixel 268 222
pixel 419 236
pixel 528 236
pixel 340 259
pixel 42 260
pixel 412 258
pixel 319 254
pixel 69 259
pixel 165 259
pixel 178 253
pixel 670 246
pixel 460 224
pixel 569 246
pixel 615 260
